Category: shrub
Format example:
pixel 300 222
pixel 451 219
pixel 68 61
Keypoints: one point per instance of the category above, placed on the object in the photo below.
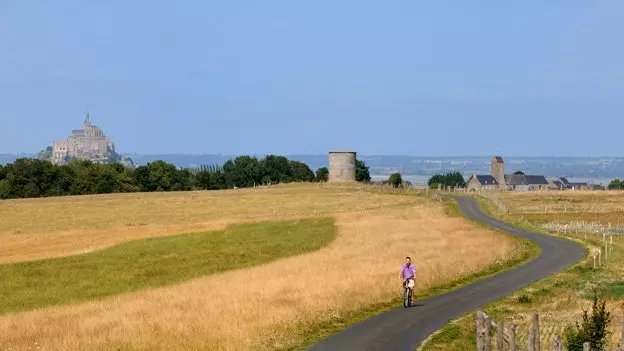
pixel 593 329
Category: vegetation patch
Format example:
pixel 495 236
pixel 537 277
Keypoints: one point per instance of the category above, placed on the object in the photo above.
pixel 156 262
pixel 445 336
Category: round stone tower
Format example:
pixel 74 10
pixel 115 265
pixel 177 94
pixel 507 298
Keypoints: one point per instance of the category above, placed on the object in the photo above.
pixel 341 166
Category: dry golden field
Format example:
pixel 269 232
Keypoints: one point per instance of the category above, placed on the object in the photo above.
pixel 52 227
pixel 267 307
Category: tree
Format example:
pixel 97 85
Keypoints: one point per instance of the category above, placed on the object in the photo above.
pixel 276 169
pixel 301 172
pixel 395 180
pixel 593 329
pixel 362 173
pixel 322 174
pixel 615 184
pixel 519 172
pixel 452 180
pixel 244 171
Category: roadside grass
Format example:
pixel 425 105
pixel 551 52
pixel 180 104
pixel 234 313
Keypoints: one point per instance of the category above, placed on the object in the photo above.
pixel 155 262
pixel 561 297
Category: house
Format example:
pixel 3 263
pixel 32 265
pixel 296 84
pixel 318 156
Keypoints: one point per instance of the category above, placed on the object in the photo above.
pixel 498 180
pixel 562 183
pixel 523 182
pixel 482 182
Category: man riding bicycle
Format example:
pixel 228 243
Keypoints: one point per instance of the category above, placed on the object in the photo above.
pixel 408 272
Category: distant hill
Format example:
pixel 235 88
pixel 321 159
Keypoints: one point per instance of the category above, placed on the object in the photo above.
pixel 383 165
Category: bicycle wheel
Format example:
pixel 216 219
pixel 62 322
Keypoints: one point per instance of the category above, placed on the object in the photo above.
pixel 406 297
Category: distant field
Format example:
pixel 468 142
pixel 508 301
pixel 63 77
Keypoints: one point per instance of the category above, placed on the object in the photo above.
pixel 276 305
pixel 53 227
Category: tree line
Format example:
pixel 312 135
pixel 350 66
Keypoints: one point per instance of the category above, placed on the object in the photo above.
pixel 28 177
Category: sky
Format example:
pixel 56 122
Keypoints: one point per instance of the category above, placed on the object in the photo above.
pixel 438 78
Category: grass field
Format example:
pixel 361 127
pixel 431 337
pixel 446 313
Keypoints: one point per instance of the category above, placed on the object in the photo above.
pixel 156 262
pixel 280 304
pixel 560 298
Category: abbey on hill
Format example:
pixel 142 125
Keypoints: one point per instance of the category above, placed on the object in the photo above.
pixel 89 143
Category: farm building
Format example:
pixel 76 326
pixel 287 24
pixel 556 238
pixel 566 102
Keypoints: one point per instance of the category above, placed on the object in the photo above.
pixel 562 183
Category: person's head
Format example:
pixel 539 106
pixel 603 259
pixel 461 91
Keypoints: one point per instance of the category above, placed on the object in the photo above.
pixel 408 260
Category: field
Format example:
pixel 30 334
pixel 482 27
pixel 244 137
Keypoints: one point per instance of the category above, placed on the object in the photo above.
pixel 130 281
pixel 583 216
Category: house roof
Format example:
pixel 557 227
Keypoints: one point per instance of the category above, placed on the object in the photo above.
pixel 486 179
pixel 522 179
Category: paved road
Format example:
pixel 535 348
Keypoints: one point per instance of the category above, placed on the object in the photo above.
pixel 405 328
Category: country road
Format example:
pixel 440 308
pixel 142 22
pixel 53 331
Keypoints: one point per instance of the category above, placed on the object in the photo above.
pixel 404 329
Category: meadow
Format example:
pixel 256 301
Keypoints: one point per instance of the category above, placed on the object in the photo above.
pixel 152 288
pixel 582 216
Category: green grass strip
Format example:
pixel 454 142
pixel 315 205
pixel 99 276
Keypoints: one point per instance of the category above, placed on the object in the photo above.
pixel 156 262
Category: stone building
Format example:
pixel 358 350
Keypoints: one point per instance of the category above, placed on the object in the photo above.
pixel 342 166
pixel 498 180
pixel 89 143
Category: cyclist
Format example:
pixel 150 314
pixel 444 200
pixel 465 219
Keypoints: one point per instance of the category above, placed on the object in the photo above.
pixel 408 272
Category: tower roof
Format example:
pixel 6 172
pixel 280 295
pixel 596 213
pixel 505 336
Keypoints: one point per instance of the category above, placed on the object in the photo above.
pixel 87 121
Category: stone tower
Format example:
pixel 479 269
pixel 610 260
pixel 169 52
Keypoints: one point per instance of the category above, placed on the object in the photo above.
pixel 341 166
pixel 497 170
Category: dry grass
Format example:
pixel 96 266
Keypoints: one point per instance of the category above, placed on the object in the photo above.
pixel 559 202
pixel 270 306
pixel 53 227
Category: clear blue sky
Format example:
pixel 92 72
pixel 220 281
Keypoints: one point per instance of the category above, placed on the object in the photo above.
pixel 378 77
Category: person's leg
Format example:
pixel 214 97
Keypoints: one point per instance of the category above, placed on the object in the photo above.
pixel 413 286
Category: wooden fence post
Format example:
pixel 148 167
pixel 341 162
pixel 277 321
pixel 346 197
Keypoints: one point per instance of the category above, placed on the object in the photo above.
pixel 586 347
pixel 500 332
pixel 488 329
pixel 480 322
pixel 512 338
pixel 557 343
pixel 534 336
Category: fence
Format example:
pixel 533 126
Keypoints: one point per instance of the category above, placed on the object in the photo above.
pixel 507 336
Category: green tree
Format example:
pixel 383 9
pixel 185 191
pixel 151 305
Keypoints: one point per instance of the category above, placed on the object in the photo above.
pixel 616 184
pixel 276 169
pixel 2 172
pixel 362 173
pixel 593 328
pixel 519 172
pixel 244 171
pixel 322 174
pixel 452 180
pixel 395 180
pixel 301 172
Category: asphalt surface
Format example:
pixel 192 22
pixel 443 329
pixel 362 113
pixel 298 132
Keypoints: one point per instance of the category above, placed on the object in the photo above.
pixel 405 328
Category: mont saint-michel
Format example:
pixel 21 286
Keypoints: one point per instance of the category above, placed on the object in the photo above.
pixel 89 143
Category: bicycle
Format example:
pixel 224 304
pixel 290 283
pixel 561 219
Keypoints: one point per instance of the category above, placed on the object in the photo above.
pixel 407 294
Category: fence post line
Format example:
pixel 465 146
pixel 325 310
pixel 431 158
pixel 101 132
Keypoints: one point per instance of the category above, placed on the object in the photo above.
pixel 512 338
pixel 500 331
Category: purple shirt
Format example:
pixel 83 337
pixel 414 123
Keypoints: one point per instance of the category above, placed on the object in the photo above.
pixel 408 271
